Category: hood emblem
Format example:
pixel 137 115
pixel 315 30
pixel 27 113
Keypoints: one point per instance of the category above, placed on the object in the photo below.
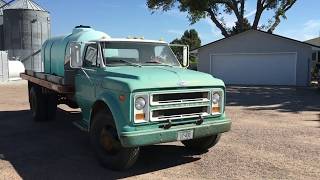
pixel 182 83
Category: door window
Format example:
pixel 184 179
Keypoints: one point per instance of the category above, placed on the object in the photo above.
pixel 91 56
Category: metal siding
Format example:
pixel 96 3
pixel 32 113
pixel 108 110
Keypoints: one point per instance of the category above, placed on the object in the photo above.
pixel 1 37
pixel 1 68
pixel 4 68
pixel 251 42
pixel 24 32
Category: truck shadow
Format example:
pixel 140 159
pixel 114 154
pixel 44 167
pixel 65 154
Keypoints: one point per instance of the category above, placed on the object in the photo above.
pixel 282 99
pixel 59 150
pixel 316 120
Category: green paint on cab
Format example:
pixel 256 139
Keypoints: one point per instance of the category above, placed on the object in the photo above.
pixel 172 95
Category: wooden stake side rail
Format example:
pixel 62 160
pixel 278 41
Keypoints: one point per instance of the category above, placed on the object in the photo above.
pixel 62 89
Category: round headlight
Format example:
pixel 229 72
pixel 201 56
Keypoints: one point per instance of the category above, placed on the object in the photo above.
pixel 140 103
pixel 215 98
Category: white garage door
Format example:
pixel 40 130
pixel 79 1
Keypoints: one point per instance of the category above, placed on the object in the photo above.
pixel 255 69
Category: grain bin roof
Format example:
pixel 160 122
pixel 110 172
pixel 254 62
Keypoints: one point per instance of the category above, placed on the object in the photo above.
pixel 2 3
pixel 2 6
pixel 25 4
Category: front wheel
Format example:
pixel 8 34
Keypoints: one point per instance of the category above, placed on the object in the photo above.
pixel 107 146
pixel 202 144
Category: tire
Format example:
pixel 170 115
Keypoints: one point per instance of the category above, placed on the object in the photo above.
pixel 202 144
pixel 106 144
pixel 37 104
pixel 52 101
pixel 30 85
pixel 43 106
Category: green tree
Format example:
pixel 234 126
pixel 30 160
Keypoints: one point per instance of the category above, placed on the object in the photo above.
pixel 217 9
pixel 190 38
pixel 236 29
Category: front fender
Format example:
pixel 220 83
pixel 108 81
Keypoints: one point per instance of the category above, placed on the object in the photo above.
pixel 120 109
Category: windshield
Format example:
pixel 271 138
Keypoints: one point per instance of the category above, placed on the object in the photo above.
pixel 137 54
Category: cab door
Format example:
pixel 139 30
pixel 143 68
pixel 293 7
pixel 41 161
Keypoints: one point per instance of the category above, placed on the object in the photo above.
pixel 86 80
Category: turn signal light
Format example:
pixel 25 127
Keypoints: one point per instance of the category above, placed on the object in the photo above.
pixel 140 116
pixel 216 109
pixel 122 98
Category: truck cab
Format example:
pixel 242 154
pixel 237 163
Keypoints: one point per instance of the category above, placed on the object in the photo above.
pixel 134 93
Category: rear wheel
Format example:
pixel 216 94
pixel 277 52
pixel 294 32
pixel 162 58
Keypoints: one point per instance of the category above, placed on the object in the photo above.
pixel 37 104
pixel 52 101
pixel 202 144
pixel 43 106
pixel 107 146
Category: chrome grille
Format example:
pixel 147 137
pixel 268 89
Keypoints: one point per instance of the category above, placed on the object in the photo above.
pixel 180 97
pixel 179 104
pixel 165 114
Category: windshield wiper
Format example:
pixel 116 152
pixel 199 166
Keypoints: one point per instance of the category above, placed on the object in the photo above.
pixel 128 62
pixel 157 62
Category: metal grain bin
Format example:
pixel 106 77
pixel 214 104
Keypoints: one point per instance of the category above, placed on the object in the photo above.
pixel 26 27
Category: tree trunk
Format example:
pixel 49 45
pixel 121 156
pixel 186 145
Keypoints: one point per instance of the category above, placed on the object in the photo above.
pixel 214 19
pixel 258 15
pixel 241 15
pixel 281 12
pixel 274 25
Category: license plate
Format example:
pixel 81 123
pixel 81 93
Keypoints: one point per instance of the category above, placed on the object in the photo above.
pixel 185 135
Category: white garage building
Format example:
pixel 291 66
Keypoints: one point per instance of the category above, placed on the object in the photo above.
pixel 257 58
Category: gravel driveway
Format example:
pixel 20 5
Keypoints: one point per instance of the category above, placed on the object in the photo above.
pixel 275 134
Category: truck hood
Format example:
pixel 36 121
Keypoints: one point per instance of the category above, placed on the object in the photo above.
pixel 131 78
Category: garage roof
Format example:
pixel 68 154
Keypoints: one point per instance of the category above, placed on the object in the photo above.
pixel 315 41
pixel 306 43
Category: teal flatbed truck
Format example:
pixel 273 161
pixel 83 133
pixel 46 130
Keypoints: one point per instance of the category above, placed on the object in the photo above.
pixel 131 93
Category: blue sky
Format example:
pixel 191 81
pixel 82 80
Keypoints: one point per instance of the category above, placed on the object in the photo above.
pixel 122 18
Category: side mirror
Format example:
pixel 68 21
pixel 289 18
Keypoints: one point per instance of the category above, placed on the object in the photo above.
pixel 185 62
pixel 75 55
pixel 183 56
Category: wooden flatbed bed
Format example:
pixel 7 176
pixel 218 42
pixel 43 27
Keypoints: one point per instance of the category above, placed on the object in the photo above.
pixel 54 83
